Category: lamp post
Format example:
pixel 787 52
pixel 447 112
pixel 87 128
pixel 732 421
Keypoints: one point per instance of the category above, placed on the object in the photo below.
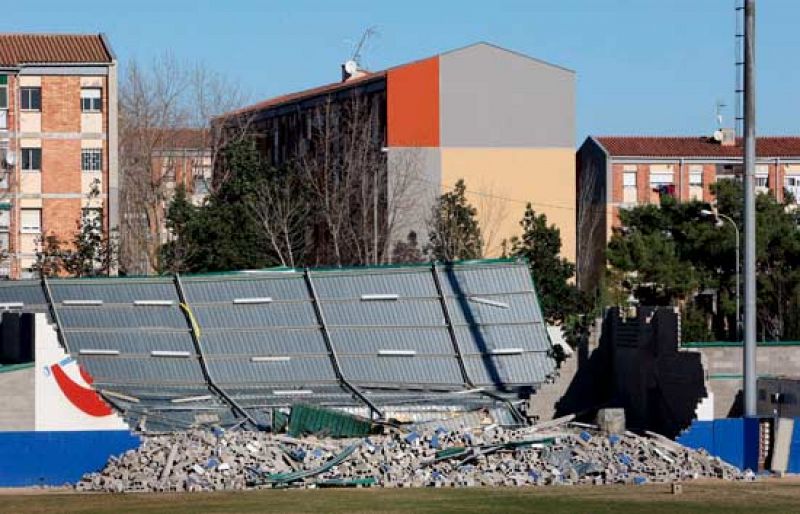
pixel 718 216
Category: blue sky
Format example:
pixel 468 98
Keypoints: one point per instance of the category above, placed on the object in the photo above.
pixel 644 66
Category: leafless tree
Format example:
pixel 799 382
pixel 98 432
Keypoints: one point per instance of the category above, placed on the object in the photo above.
pixel 158 103
pixel 282 211
pixel 591 225
pixel 358 200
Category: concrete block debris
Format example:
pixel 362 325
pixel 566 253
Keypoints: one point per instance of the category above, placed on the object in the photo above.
pixel 565 454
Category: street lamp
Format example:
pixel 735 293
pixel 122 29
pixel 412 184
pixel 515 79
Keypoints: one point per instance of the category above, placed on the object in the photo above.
pixel 716 215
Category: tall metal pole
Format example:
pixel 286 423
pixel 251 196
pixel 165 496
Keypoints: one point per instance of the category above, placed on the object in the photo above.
pixel 749 210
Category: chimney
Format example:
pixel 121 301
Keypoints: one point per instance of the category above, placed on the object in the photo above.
pixel 350 70
pixel 725 137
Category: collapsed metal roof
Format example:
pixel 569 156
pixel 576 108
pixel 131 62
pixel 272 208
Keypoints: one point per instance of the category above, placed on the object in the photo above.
pixel 171 352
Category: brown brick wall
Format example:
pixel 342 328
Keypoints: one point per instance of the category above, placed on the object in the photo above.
pixel 617 194
pixel 709 177
pixel 60 217
pixel 61 166
pixel 61 104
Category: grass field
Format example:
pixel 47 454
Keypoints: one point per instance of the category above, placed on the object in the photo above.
pixel 779 496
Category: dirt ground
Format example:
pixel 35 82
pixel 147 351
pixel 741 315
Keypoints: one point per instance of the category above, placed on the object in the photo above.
pixel 763 496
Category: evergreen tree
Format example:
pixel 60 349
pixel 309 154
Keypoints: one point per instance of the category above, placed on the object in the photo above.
pixel 408 251
pixel 540 245
pixel 454 231
pixel 670 254
pixel 222 234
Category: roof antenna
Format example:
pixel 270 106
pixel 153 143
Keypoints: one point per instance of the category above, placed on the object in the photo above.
pixel 720 105
pixel 368 33
pixel 352 68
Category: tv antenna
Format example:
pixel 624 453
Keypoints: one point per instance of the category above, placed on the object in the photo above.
pixel 718 110
pixel 368 33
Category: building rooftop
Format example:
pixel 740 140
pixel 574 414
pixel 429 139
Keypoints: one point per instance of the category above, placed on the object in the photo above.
pixel 695 146
pixel 366 77
pixel 19 49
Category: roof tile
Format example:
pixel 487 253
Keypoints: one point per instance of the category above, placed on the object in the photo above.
pixel 698 146
pixel 19 49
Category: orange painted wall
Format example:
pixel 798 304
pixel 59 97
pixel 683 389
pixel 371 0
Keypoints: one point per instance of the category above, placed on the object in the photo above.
pixel 413 104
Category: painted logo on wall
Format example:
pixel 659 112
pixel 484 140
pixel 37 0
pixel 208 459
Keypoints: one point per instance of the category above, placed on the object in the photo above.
pixel 68 374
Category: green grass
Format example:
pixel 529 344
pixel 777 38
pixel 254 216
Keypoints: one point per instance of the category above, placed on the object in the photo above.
pixel 779 496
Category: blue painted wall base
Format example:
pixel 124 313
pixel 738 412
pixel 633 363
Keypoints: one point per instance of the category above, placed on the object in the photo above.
pixel 56 458
pixel 734 440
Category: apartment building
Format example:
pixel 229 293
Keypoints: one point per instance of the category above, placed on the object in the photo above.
pixel 58 140
pixel 501 120
pixel 183 157
pixel 615 173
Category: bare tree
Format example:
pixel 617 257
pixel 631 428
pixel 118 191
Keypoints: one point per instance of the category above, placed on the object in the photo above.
pixel 282 211
pixel 158 103
pixel 359 199
pixel 492 214
pixel 591 226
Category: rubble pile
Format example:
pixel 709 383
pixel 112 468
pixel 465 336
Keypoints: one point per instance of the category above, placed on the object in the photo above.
pixel 488 456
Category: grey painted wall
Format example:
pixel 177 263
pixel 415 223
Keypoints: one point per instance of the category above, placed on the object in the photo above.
pixel 724 372
pixel 16 400
pixel 492 97
pixel 416 175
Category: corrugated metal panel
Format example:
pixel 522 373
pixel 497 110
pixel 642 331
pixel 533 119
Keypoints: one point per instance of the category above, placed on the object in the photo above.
pixel 287 286
pixel 369 340
pixel 131 342
pixel 28 292
pixel 392 313
pixel 479 339
pixel 520 309
pixel 275 314
pixel 116 291
pixel 352 284
pixel 485 279
pixel 518 370
pixel 297 370
pixel 264 342
pixel 401 370
pixel 122 317
pixel 144 370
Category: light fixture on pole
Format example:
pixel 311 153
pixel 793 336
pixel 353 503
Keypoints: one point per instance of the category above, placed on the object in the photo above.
pixel 719 217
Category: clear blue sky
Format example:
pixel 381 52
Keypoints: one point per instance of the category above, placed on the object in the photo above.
pixel 644 66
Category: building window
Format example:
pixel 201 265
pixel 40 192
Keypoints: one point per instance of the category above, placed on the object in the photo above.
pixel 762 178
pixel 168 169
pixel 662 182
pixel 4 242
pixel 31 221
pixel 92 219
pixel 629 186
pixel 791 184
pixel 5 219
pixel 92 159
pixel 3 101
pixel 31 159
pixel 200 185
pixel 3 91
pixel 696 183
pixel 91 99
pixel 31 98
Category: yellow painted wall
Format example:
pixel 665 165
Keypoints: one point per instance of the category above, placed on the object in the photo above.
pixel 502 180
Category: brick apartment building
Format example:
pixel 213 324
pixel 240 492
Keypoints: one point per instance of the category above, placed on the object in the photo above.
pixel 184 158
pixel 615 173
pixel 58 137
pixel 502 121
pixel 179 156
